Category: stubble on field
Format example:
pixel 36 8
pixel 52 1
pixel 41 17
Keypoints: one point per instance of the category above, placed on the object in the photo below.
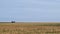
pixel 28 28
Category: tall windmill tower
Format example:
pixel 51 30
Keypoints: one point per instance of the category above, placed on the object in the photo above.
pixel 12 21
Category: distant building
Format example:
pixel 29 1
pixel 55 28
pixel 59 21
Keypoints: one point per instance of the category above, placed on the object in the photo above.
pixel 12 21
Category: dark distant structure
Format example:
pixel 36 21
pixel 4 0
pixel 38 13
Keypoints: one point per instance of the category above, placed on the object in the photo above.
pixel 12 21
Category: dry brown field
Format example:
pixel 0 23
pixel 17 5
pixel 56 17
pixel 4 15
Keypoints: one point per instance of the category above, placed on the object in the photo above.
pixel 30 28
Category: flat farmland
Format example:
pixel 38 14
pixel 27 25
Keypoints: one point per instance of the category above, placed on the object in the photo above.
pixel 29 28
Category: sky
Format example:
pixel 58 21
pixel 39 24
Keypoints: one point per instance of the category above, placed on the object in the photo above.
pixel 30 10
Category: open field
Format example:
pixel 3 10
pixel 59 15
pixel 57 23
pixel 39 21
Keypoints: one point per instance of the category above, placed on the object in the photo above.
pixel 29 28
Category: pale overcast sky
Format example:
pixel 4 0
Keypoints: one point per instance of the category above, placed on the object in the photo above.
pixel 30 10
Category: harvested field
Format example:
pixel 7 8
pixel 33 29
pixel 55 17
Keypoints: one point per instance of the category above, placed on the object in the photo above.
pixel 29 28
